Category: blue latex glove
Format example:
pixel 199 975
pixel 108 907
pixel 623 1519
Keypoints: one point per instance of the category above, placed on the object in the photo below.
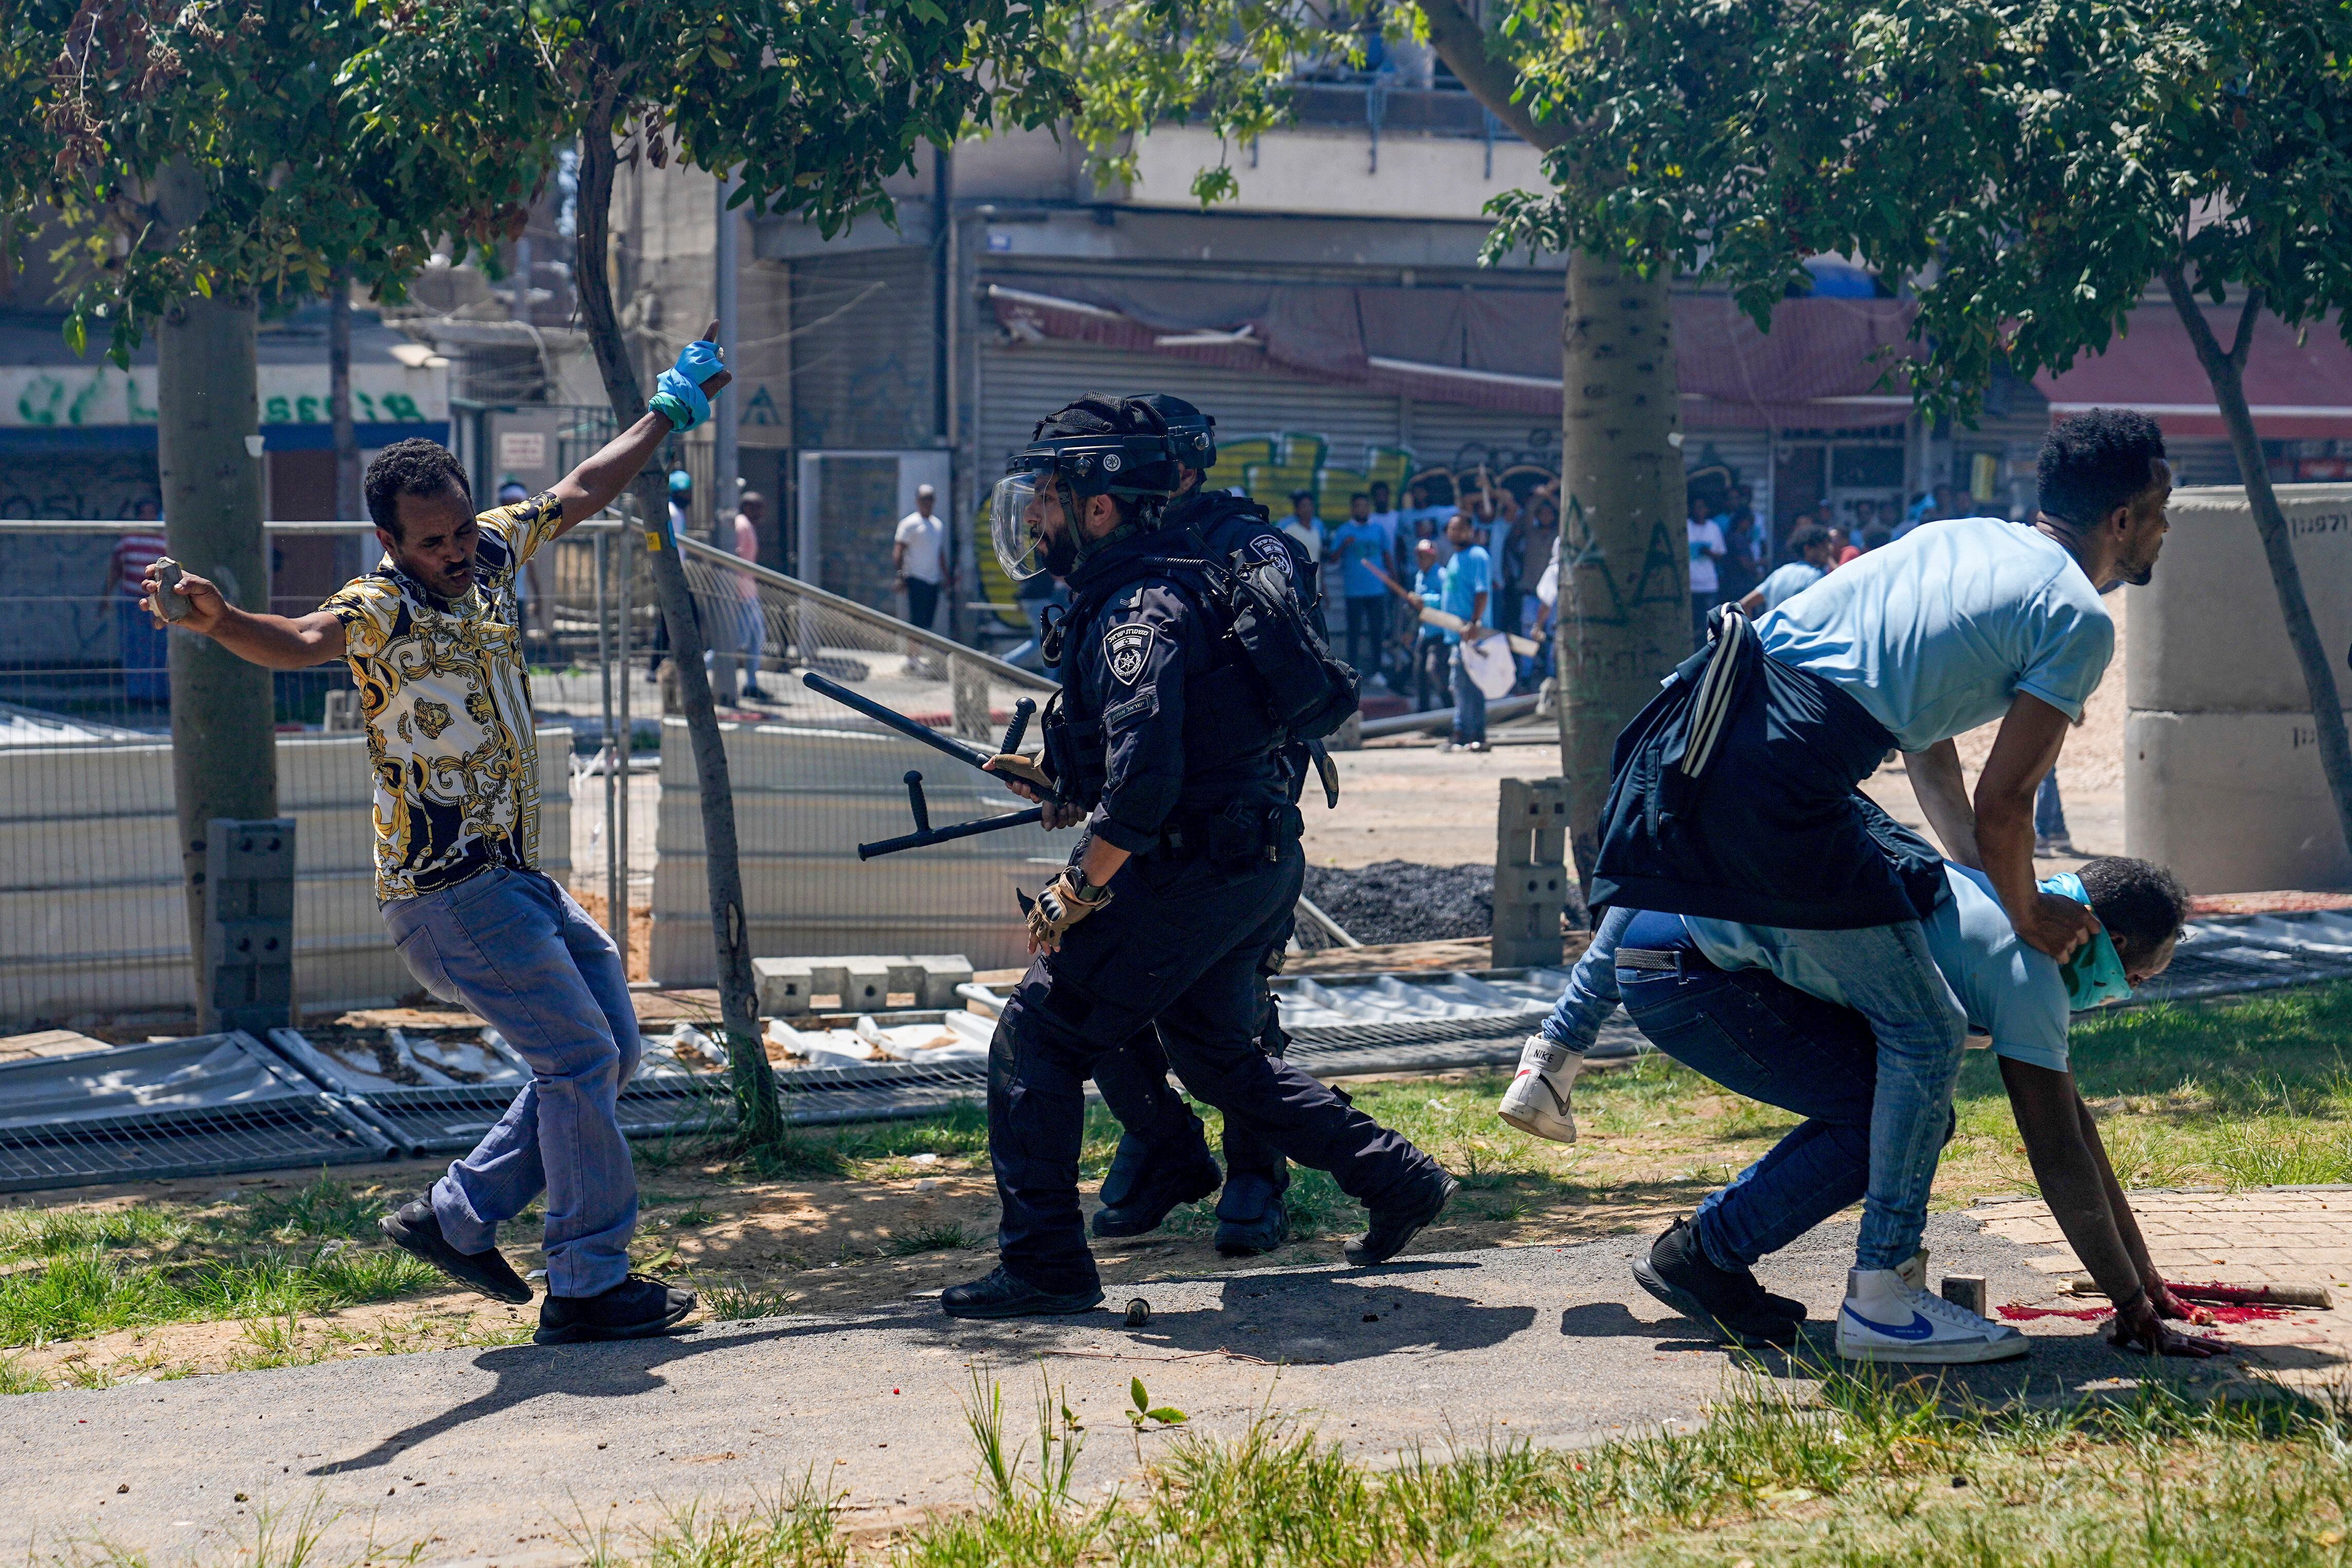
pixel 678 393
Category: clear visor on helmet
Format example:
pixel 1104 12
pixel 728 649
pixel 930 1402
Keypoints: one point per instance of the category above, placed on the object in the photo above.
pixel 1012 523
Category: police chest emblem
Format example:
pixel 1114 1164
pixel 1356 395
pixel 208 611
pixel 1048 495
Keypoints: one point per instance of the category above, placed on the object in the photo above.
pixel 1270 550
pixel 1126 649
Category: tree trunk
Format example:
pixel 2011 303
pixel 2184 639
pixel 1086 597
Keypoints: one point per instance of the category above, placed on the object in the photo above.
pixel 2226 371
pixel 755 1084
pixel 1624 578
pixel 224 744
pixel 339 396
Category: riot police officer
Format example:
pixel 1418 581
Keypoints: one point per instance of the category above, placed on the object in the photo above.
pixel 1163 739
pixel 1148 1180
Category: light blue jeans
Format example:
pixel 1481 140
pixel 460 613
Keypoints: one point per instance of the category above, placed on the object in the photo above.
pixel 1469 704
pixel 515 949
pixel 1886 975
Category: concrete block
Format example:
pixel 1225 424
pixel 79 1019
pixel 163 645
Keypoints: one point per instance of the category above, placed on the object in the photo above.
pixel 1531 872
pixel 1965 1291
pixel 941 974
pixel 2207 634
pixel 865 985
pixel 782 984
pixel 2232 803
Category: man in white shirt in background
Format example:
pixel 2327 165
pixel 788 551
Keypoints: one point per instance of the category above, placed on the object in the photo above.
pixel 754 632
pixel 1706 548
pixel 920 555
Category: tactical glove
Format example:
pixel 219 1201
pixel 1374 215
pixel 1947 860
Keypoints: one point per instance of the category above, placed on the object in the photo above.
pixel 1066 901
pixel 1023 766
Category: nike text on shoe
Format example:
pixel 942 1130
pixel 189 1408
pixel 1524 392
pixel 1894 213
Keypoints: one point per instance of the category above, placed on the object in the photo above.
pixel 638 1308
pixel 1538 1100
pixel 999 1295
pixel 1678 1272
pixel 413 1229
pixel 1394 1226
pixel 1884 1319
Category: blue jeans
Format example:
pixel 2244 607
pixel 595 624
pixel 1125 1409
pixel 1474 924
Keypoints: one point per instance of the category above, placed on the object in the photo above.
pixel 2049 811
pixel 1886 975
pixel 1469 704
pixel 515 949
pixel 1761 1038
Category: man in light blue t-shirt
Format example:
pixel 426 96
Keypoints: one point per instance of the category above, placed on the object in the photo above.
pixel 1363 549
pixel 1747 811
pixel 1467 592
pixel 1811 544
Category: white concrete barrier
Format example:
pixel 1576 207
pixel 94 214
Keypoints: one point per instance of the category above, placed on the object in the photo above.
pixel 2222 773
pixel 93 919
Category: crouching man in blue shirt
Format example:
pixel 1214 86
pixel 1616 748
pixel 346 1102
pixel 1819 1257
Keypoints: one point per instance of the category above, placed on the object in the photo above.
pixel 1743 1006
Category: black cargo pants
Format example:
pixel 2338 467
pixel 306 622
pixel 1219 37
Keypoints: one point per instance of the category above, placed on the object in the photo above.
pixel 1179 945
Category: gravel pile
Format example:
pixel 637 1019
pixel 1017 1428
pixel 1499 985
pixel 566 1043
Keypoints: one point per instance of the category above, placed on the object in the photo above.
pixel 1397 900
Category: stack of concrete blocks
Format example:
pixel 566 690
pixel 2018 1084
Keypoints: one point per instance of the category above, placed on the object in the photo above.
pixel 249 963
pixel 1531 879
pixel 2221 773
pixel 862 985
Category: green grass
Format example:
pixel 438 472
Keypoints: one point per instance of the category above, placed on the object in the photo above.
pixel 1870 1471
pixel 82 1272
pixel 947 1237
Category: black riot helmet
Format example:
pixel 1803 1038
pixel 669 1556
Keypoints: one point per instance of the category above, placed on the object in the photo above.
pixel 1194 433
pixel 1100 444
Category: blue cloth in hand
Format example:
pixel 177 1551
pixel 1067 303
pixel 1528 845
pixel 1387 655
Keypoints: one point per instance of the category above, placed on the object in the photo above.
pixel 682 384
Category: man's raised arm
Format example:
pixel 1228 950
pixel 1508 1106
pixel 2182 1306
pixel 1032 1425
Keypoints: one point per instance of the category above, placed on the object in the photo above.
pixel 273 642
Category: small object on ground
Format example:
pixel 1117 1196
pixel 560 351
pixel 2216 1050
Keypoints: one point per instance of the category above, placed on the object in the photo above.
pixel 1138 1313
pixel 414 1228
pixel 638 1308
pixel 1965 1291
pixel 169 601
pixel 2215 1294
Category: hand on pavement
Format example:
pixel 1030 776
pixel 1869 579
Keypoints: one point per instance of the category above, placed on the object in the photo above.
pixel 2169 1305
pixel 2137 1327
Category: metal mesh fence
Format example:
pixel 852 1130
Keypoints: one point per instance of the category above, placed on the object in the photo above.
pixel 93 914
pixel 813 780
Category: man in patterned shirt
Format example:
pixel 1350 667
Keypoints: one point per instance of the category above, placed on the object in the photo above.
pixel 434 645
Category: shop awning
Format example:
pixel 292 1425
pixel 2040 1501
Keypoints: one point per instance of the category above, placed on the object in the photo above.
pixel 2298 379
pixel 1822 366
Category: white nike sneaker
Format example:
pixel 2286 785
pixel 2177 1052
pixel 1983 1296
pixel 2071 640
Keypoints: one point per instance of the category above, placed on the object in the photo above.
pixel 1885 1319
pixel 1538 1100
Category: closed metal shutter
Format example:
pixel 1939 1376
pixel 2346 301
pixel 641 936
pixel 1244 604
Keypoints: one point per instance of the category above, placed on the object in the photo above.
pixel 1023 383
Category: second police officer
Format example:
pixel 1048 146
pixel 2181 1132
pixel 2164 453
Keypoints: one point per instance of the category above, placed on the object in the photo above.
pixel 1164 740
pixel 1147 1179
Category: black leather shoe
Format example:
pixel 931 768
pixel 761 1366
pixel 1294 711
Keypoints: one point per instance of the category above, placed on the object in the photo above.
pixel 414 1230
pixel 1393 1227
pixel 1251 1217
pixel 1128 1166
pixel 999 1295
pixel 636 1309
pixel 1159 1189
pixel 1678 1272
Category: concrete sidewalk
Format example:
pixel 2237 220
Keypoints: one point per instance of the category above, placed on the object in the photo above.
pixel 521 1454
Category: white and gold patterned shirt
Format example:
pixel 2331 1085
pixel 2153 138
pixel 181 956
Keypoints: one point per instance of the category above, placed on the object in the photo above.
pixel 446 698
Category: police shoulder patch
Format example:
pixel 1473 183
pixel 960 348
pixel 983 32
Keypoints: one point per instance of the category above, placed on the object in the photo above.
pixel 1126 649
pixel 1270 548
